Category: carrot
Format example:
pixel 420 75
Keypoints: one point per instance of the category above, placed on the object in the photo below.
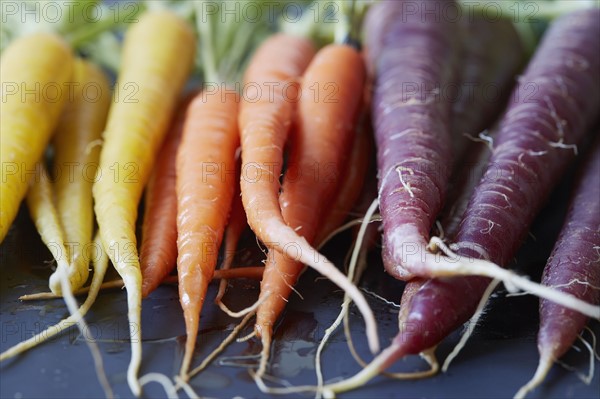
pixel 155 64
pixel 377 20
pixel 76 154
pixel 411 149
pixel 205 187
pixel 323 137
pixel 158 251
pixel 350 188
pixel 528 153
pixel 40 202
pixel 412 128
pixel 573 267
pixel 264 124
pixel 33 73
pixel 492 56
pixel 236 226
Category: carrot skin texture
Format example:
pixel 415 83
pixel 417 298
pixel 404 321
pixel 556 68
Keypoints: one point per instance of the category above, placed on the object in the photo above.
pixel 158 251
pixel 492 56
pixel 76 148
pixel 205 184
pixel 351 186
pixel 324 135
pixel 155 64
pixel 264 128
pixel 412 128
pixel 264 124
pixel 575 256
pixel 375 26
pixel 564 65
pixel 40 60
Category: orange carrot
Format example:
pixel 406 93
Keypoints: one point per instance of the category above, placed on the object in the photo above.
pixel 158 252
pixel 205 185
pixel 324 135
pixel 352 184
pixel 264 123
pixel 236 226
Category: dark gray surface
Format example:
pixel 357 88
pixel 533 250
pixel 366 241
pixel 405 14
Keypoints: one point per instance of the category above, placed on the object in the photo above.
pixel 499 358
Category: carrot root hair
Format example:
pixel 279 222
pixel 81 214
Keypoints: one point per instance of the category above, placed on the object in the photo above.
pixel 452 265
pixel 471 324
pixel 543 368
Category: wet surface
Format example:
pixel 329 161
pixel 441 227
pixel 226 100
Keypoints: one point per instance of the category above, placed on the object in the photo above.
pixel 498 359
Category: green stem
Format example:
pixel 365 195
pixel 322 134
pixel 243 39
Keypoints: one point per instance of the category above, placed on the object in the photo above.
pixel 88 32
pixel 243 38
pixel 206 45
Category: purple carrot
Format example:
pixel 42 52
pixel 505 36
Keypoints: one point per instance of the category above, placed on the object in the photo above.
pixel 492 55
pixel 536 137
pixel 376 21
pixel 528 151
pixel 573 267
pixel 564 65
pixel 411 117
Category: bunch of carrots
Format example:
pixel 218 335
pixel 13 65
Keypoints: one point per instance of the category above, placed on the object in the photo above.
pixel 289 156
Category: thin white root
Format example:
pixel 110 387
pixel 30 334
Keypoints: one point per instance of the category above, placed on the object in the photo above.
pixel 596 355
pixel 231 241
pixel 587 379
pixel 546 363
pixel 482 137
pixel 540 374
pixel 265 353
pixel 406 186
pixel 228 340
pixel 50 295
pixel 172 280
pixel 351 276
pixel 93 144
pixel 471 324
pixel 344 227
pixel 163 380
pixel 187 388
pixel 368 372
pixel 247 337
pixel 452 265
pixel 250 309
pixel 303 252
pixel 382 299
pixel 561 144
pixel 358 380
pixel 83 328
pixel 573 281
pixel 134 315
pixel 258 379
pixel 350 341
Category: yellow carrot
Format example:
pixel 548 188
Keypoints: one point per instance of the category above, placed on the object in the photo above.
pixel 43 213
pixel 33 72
pixel 76 147
pixel 158 52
